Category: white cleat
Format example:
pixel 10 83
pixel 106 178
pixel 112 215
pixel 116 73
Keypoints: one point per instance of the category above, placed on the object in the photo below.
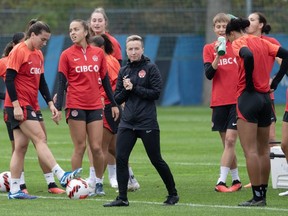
pixel 113 182
pixel 133 184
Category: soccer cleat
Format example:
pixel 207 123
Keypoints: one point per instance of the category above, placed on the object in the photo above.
pixel 133 184
pixel 236 186
pixel 20 195
pixel 117 203
pixel 283 193
pixel 248 185
pixel 99 190
pixel 69 176
pixel 253 202
pixel 53 188
pixel 171 200
pixel 91 188
pixel 113 182
pixel 221 187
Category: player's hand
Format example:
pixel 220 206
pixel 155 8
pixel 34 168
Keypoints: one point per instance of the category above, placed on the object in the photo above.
pixel 115 113
pixel 18 113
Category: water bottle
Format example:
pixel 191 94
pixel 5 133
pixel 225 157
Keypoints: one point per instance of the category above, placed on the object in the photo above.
pixel 222 47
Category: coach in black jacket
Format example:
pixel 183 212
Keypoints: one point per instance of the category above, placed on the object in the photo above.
pixel 139 85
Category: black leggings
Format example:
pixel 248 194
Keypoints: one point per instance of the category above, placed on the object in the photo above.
pixel 126 139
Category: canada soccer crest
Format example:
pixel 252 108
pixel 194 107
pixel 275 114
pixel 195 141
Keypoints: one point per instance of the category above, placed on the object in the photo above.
pixel 33 114
pixel 95 58
pixel 142 74
pixel 74 113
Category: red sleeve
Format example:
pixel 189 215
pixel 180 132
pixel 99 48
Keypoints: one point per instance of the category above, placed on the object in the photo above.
pixel 16 58
pixel 63 64
pixel 3 66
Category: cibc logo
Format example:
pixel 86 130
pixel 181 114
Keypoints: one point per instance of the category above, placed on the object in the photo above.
pixel 87 68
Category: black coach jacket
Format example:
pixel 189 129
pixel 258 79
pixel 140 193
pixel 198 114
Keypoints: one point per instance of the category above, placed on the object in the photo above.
pixel 140 109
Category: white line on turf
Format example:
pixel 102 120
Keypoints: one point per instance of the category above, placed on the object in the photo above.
pixel 138 162
pixel 178 204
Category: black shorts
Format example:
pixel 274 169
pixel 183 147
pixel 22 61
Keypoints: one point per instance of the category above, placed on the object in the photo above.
pixel 84 115
pixel 223 118
pixel 255 107
pixel 108 121
pixel 285 117
pixel 39 116
pixel 273 116
pixel 8 125
pixel 29 114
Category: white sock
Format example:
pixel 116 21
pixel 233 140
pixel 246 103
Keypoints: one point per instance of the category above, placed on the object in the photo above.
pixel 58 171
pixel 131 174
pixel 22 178
pixel 99 180
pixel 223 174
pixel 14 185
pixel 92 173
pixel 111 170
pixel 235 174
pixel 49 177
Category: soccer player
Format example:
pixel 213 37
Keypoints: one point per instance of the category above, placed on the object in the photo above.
pixel 84 68
pixel 24 77
pixel 98 25
pixel 259 27
pixel 138 86
pixel 223 71
pixel 48 175
pixel 254 102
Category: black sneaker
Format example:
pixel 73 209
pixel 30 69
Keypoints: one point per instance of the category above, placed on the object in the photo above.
pixel 117 203
pixel 171 200
pixel 253 202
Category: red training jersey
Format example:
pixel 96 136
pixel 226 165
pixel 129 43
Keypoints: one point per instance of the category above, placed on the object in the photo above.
pixel 83 70
pixel 3 67
pixel 29 65
pixel 224 82
pixel 262 50
pixel 116 47
pixel 271 59
pixel 113 68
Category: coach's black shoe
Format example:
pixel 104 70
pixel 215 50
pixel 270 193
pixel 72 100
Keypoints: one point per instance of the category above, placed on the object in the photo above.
pixel 171 200
pixel 253 202
pixel 117 203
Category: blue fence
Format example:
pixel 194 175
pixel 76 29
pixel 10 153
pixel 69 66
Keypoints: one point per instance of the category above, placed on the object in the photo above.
pixel 180 63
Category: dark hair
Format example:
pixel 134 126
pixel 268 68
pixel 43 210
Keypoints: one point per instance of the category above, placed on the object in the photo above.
pixel 103 40
pixel 85 26
pixel 17 37
pixel 238 25
pixel 262 19
pixel 37 27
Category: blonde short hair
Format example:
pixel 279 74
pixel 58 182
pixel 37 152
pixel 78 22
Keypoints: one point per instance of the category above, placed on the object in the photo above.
pixel 221 17
pixel 134 38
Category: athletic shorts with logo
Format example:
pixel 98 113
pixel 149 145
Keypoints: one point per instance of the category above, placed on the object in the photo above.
pixel 224 117
pixel 11 123
pixel 84 115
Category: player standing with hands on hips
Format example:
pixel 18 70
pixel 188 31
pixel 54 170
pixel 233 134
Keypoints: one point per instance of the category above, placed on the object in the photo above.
pixel 139 85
